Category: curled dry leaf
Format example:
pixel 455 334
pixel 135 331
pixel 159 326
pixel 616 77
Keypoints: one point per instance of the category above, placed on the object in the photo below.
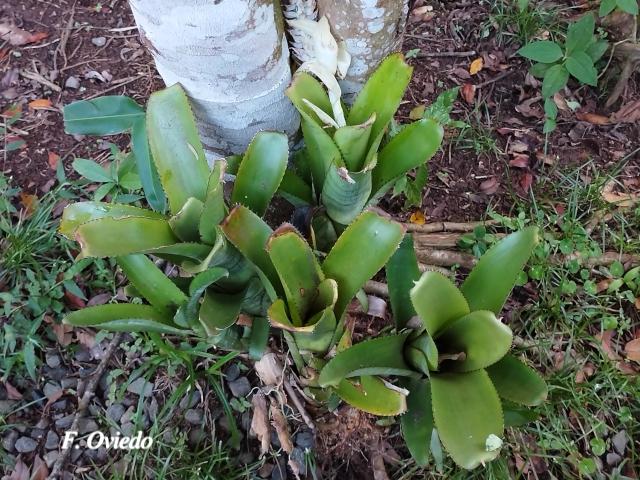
pixel 418 218
pixel 585 372
pixel 40 104
pixel 593 118
pixel 520 161
pixel 526 180
pixel 260 422
pixel 53 160
pixel 269 369
pixel 629 113
pixel 476 66
pixel 12 392
pixel 39 470
pixel 632 350
pixel 20 471
pixel 468 92
pixel 16 36
pixel 490 186
pixel 282 429
pixel 620 199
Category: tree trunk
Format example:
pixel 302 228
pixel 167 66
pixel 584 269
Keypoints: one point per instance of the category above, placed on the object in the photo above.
pixel 371 29
pixel 232 59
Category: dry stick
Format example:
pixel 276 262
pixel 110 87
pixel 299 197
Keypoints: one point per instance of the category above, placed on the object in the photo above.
pixel 40 79
pixel 470 53
pixel 497 78
pixel 298 404
pixel 122 83
pixel 447 226
pixel 83 402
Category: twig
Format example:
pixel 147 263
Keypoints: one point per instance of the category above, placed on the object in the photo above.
pixel 470 53
pixel 121 83
pixel 298 404
pixel 83 402
pixel 447 226
pixel 40 79
pixel 497 78
pixel 441 240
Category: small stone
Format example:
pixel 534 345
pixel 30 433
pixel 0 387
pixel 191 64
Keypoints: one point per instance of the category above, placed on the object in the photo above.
pixel 613 459
pixel 25 445
pixel 98 455
pixel 240 387
pixel 128 415
pixel 196 437
pixel 60 405
pixel 99 41
pixel 280 470
pixel 55 374
pixel 140 387
pixel 51 389
pixel 52 360
pixel 232 372
pixel 87 425
pixel 36 433
pixel 194 416
pixel 104 382
pixel 619 441
pixel 7 406
pixel 190 400
pixel 52 440
pixel 43 423
pixel 9 441
pixel 115 412
pixel 74 83
pixel 297 456
pixel 51 457
pixel 127 429
pixel 64 422
pixel 69 383
pixel 265 470
pixel 76 453
pixel 305 439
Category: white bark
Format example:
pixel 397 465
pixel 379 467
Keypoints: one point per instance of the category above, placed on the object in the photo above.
pixel 231 57
pixel 372 29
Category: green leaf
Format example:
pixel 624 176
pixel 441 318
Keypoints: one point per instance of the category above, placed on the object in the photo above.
pixel 261 171
pixel 628 6
pixel 176 147
pixel 219 311
pixel 214 209
pixel 187 315
pixel 371 395
pixel 544 51
pixel 152 283
pixel 380 356
pixel 370 233
pixel 517 382
pixel 353 140
pixel 305 87
pixel 91 170
pixel 107 115
pixel 517 416
pixel 345 194
pixel 597 49
pixel 249 234
pixel 114 237
pixel 412 147
pixel 101 314
pixel 146 168
pixel 298 269
pixel 402 272
pixel 259 338
pixel 440 109
pixel 417 423
pixel 466 410
pixel 318 336
pixel 479 335
pixel 295 190
pixel 185 224
pixel 606 7
pixel 381 94
pixel 490 282
pixel 554 80
pixel 581 67
pixel 29 357
pixel 438 301
pixel 539 70
pixel 580 34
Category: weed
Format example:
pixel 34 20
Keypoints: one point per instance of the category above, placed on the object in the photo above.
pixel 521 21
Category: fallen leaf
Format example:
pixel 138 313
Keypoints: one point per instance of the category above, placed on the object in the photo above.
pixel 269 369
pixel 53 160
pixel 637 303
pixel 490 186
pixel 547 159
pixel 605 342
pixel 86 338
pixel 417 218
pixel 593 118
pixel 260 422
pixel 585 372
pixel 12 111
pixel 20 471
pixel 518 147
pixel 632 350
pixel 629 113
pixel 16 36
pixel 282 429
pixel 63 333
pixel 520 161
pixel 99 299
pixel 39 470
pixel 29 203
pixel 12 392
pixel 73 301
pixel 526 180
pixel 529 109
pixel 476 66
pixel 40 104
pixel 560 102
pixel 619 199
pixel 468 91
pixel 417 112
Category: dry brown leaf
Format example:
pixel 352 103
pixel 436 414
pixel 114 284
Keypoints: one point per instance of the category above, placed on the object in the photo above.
pixel 53 160
pixel 282 429
pixel 418 218
pixel 63 333
pixel 490 186
pixel 605 342
pixel 40 104
pixel 73 301
pixel 86 338
pixel 20 471
pixel 476 66
pixel 593 118
pixel 518 147
pixel 29 203
pixel 520 161
pixel 632 350
pixel 585 372
pixel 560 102
pixel 619 199
pixel 269 369
pixel 260 422
pixel 16 36
pixel 637 303
pixel 39 470
pixel 468 92
pixel 416 113
pixel 530 109
pixel 526 180
pixel 12 111
pixel 12 392
pixel 629 113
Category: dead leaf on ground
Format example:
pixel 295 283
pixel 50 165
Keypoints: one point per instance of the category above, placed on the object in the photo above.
pixel 282 428
pixel 632 350
pixel 17 36
pixel 529 109
pixel 39 470
pixel 417 218
pixel 520 161
pixel 526 180
pixel 593 118
pixel 73 301
pixel 605 342
pixel 518 147
pixel 416 113
pixel 637 303
pixel 260 422
pixel 468 92
pixel 560 102
pixel 619 199
pixel 86 338
pixel 40 104
pixel 585 372
pixel 490 186
pixel 20 471
pixel 63 333
pixel 629 113
pixel 476 66
pixel 53 160
pixel 12 392
pixel 269 369
pixel 29 203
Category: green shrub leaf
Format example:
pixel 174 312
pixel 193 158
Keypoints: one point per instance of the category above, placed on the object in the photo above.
pixel 580 34
pixel 554 80
pixel 580 65
pixel 628 6
pixel 544 51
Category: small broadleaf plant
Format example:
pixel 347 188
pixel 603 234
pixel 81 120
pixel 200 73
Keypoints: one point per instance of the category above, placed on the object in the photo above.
pixel 222 282
pixel 344 169
pixel 451 354
pixel 555 63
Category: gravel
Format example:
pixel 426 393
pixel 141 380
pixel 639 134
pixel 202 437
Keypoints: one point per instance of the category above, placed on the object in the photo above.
pixel 140 387
pixel 305 439
pixel 51 457
pixel 232 372
pixel 25 445
pixel 190 400
pixel 52 440
pixel 115 412
pixel 52 360
pixel 240 387
pixel 74 83
pixel 51 389
pixel 65 422
pixel 99 41
pixel 194 416
pixel 9 441
pixel 87 425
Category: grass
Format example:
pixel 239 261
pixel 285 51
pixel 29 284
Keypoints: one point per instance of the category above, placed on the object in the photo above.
pixel 521 21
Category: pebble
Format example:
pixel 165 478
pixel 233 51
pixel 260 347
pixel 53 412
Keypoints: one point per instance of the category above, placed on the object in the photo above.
pixel 51 457
pixel 64 422
pixel 75 454
pixel 232 372
pixel 51 389
pixel 25 445
pixel 9 441
pixel 87 425
pixel 196 437
pixel 613 459
pixel 74 83
pixel 36 433
pixel 115 412
pixel 140 387
pixel 60 405
pixel 52 360
pixel 52 440
pixel 127 429
pixel 240 387
pixel 69 382
pixel 99 41
pixel 128 415
pixel 297 455
pixel 43 423
pixel 190 400
pixel 99 455
pixel 280 470
pixel 194 416
pixel 305 439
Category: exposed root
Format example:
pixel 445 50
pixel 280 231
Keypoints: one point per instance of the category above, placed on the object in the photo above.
pixel 447 226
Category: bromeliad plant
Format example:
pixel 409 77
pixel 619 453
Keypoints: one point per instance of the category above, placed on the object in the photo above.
pixel 345 167
pixel 451 352
pixel 310 298
pixel 223 282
